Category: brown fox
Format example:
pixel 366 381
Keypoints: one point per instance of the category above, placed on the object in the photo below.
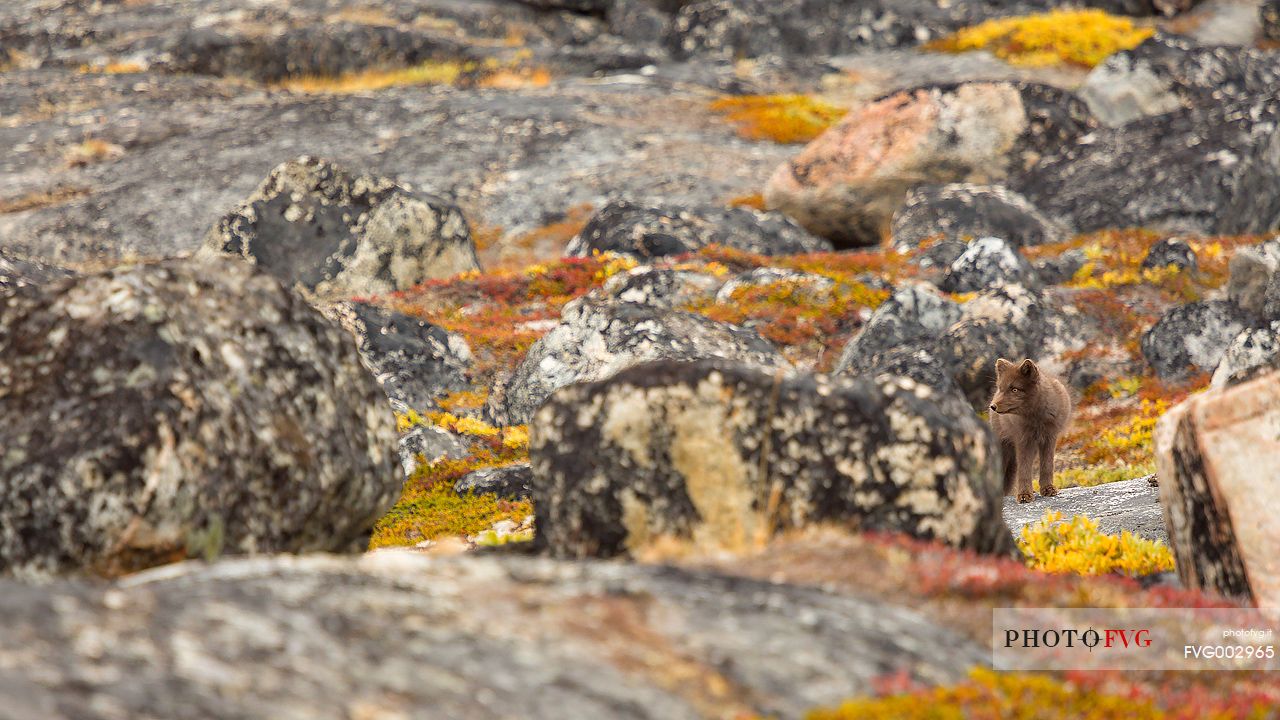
pixel 1028 412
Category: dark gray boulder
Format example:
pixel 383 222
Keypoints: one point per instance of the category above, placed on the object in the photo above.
pixel 1214 170
pixel 724 454
pixel 1252 352
pixel 474 638
pixel 964 211
pixel 1269 10
pixel 598 336
pixel 16 272
pixel 1173 252
pixel 652 230
pixel 159 411
pixel 1253 274
pixel 414 361
pixel 913 312
pixel 662 287
pixel 427 444
pixel 509 481
pixel 987 263
pixel 1192 338
pixel 316 225
pixel 1168 73
pixel 1060 268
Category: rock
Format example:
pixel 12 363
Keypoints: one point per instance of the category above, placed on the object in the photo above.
pixel 1253 270
pixel 1214 455
pixel 181 409
pixel 912 313
pixel 1192 338
pixel 509 481
pixel 1173 252
pixel 973 345
pixel 846 184
pixel 722 454
pixel 987 263
pixel 812 284
pixel 1059 269
pixel 963 211
pixel 938 257
pixel 1270 12
pixel 661 287
pixel 649 231
pixel 314 224
pixel 16 272
pixel 593 7
pixel 598 337
pixel 414 361
pixel 474 637
pixel 1128 505
pixel 1252 352
pixel 1168 73
pixel 1210 171
pixel 427 444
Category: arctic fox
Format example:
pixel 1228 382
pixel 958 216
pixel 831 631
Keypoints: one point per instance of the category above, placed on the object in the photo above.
pixel 1028 412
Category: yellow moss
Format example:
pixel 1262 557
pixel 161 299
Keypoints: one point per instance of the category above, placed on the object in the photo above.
pixel 1075 546
pixel 516 437
pixel 489 73
pixel 613 264
pixel 990 695
pixel 780 118
pixel 1076 37
pixel 464 400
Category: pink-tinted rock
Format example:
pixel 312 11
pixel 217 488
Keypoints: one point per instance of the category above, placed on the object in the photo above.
pixel 846 184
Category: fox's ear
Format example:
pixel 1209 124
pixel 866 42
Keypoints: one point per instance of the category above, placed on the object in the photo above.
pixel 1002 366
pixel 1028 368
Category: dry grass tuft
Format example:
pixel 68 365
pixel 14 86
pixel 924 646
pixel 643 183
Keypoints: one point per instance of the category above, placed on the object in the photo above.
pixel 92 151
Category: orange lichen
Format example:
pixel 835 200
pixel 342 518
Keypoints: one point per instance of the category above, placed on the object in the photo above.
pixel 779 118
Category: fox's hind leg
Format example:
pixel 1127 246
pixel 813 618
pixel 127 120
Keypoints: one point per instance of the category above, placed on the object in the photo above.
pixel 1025 455
pixel 1009 454
pixel 1046 469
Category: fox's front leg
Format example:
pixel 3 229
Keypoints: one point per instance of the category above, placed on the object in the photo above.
pixel 1046 469
pixel 1026 456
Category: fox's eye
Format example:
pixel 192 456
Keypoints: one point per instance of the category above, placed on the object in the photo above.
pixel 1015 389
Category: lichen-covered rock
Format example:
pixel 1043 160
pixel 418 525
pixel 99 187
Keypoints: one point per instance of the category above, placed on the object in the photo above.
pixel 658 230
pixel 414 361
pixel 1253 271
pixel 1269 10
pixel 176 409
pixel 963 211
pixel 1210 170
pixel 662 287
pixel 846 184
pixel 722 454
pixel 16 272
pixel 1215 456
pixel 509 481
pixel 598 336
pixel 1192 338
pixel 1061 268
pixel 315 224
pixel 1168 73
pixel 1170 252
pixel 913 312
pixel 987 263
pixel 427 444
pixel 397 634
pixel 1252 352
pixel 813 284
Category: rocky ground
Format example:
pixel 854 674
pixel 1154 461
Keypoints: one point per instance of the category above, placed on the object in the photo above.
pixel 527 298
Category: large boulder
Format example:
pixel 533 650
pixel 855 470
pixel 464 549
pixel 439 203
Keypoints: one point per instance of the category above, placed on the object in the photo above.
pixel 846 184
pixel 1212 170
pixel 722 455
pixel 1253 351
pixel 963 211
pixel 987 263
pixel 1254 271
pixel 414 361
pixel 1168 73
pixel 316 225
pixel 599 336
pixel 161 411
pixel 913 312
pixel 1270 13
pixel 657 230
pixel 398 634
pixel 1192 338
pixel 1216 455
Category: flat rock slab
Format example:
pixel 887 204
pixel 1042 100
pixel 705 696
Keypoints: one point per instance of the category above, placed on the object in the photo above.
pixel 1132 505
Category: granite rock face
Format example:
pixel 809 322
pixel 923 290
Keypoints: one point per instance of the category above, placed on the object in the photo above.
pixel 963 211
pixel 316 225
pixel 985 264
pixel 1254 351
pixel 1132 505
pixel 723 454
pixel 1211 170
pixel 847 184
pixel 654 230
pixel 160 411
pixel 474 637
pixel 1192 338
pixel 599 336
